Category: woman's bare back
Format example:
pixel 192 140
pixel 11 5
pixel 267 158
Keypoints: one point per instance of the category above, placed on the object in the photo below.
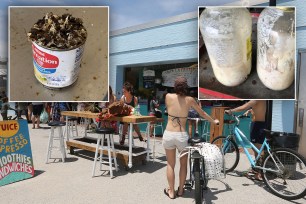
pixel 177 107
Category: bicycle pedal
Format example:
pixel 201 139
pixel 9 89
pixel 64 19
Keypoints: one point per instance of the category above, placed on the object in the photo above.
pixel 188 186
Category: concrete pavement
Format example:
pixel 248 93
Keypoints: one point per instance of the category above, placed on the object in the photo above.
pixel 71 182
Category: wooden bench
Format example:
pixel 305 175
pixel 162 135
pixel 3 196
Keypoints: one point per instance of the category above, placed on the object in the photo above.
pixel 122 151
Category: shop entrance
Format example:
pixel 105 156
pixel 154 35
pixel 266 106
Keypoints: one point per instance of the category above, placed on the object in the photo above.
pixel 148 78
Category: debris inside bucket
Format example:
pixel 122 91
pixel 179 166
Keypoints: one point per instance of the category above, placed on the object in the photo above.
pixel 58 32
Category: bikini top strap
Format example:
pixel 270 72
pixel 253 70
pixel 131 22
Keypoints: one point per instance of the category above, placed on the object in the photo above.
pixel 177 119
pixel 176 116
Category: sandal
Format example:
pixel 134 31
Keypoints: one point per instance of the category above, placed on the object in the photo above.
pixel 141 139
pixel 258 177
pixel 122 140
pixel 177 192
pixel 166 192
pixel 253 177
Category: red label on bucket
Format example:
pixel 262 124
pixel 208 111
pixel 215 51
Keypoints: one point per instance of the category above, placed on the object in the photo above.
pixel 43 59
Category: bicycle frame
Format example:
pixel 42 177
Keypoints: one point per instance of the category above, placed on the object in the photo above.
pixel 193 155
pixel 243 141
pixel 282 169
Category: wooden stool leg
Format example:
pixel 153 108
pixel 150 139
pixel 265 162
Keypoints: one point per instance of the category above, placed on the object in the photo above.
pixel 50 144
pixel 114 152
pixel 76 128
pixel 154 144
pixel 101 152
pixel 96 155
pixel 109 157
pixel 61 141
pixel 64 147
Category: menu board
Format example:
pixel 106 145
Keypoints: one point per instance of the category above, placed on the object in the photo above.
pixel 16 162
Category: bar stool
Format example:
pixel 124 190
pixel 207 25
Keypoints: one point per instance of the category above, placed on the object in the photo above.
pixel 108 133
pixel 60 137
pixel 158 123
pixel 205 129
pixel 72 127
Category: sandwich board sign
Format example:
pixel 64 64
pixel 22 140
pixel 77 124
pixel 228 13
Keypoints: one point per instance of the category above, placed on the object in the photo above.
pixel 16 162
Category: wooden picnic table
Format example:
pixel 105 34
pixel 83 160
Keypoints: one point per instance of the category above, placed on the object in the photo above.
pixel 133 119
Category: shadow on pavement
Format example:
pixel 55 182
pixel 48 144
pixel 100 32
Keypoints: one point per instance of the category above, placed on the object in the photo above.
pixel 210 193
pixel 38 172
pixel 138 167
pixel 59 160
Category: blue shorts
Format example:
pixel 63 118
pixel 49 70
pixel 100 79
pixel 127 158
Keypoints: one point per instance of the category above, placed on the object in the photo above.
pixel 193 114
pixel 257 133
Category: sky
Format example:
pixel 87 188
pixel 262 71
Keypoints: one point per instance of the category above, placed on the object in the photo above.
pixel 123 13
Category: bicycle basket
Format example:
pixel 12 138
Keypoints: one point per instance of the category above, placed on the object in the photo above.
pixel 283 139
pixel 213 159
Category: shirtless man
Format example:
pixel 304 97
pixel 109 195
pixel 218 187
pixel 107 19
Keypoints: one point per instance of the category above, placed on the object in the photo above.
pixel 258 122
pixel 175 135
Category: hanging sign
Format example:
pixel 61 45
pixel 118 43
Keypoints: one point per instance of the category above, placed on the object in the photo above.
pixel 16 162
pixel 190 73
pixel 148 78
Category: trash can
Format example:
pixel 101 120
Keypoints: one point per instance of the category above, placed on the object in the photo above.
pixel 284 139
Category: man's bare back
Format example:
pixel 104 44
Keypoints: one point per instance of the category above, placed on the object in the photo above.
pixel 258 107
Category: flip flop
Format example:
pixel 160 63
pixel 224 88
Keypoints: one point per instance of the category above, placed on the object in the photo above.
pixel 122 140
pixel 167 194
pixel 258 177
pixel 253 177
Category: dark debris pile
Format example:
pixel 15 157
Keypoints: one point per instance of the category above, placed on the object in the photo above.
pixel 58 32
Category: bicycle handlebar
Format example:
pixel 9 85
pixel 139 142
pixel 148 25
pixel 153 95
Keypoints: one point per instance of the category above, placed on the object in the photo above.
pixel 237 117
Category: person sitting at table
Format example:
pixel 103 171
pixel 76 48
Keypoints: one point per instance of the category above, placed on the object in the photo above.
pixel 175 136
pixel 129 99
pixel 112 99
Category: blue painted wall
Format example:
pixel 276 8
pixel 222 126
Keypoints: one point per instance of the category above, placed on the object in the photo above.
pixel 177 41
pixel 164 43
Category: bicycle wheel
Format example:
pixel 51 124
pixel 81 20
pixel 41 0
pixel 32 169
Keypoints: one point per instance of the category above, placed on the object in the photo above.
pixel 197 180
pixel 230 151
pixel 204 180
pixel 288 176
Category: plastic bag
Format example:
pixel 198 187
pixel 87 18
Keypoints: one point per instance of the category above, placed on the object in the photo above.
pixel 44 117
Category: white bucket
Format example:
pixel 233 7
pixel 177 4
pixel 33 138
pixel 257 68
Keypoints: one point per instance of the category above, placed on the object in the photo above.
pixel 56 68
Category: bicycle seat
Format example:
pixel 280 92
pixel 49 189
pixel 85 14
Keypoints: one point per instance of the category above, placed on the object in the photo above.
pixel 196 139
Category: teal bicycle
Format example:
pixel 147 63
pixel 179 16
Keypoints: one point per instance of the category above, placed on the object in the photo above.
pixel 283 170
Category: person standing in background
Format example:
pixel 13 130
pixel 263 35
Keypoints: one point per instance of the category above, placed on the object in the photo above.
pixel 30 111
pixel 57 108
pixel 258 124
pixel 37 109
pixel 154 110
pixel 21 109
pixel 193 114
